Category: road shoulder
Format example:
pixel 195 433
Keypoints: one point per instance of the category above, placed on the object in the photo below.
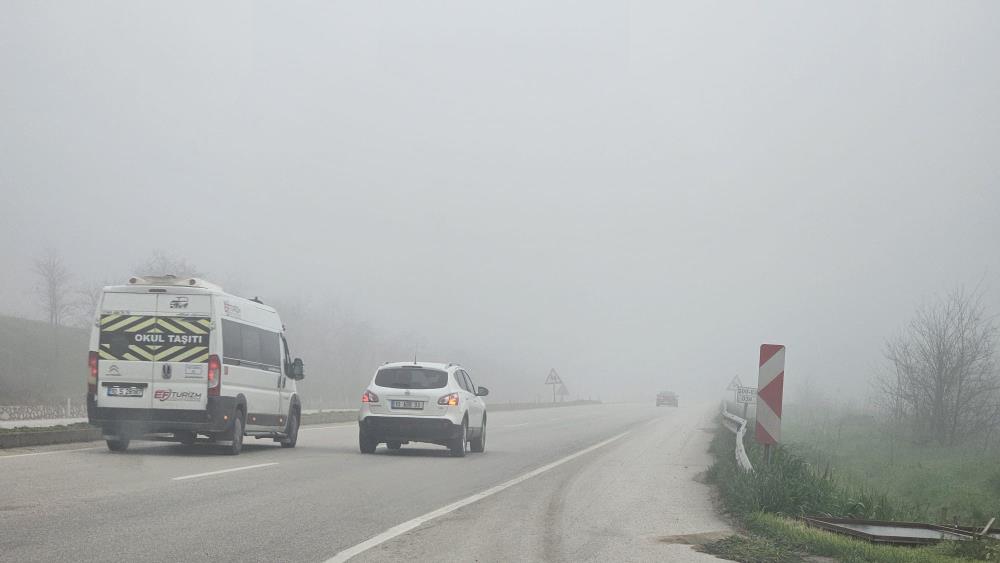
pixel 637 499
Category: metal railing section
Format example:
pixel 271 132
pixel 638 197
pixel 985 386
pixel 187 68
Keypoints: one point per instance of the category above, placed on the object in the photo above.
pixel 739 426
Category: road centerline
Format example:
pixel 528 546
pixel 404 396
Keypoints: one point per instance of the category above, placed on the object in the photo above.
pixel 405 527
pixel 221 471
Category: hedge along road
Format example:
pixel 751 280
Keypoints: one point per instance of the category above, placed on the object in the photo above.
pixel 165 502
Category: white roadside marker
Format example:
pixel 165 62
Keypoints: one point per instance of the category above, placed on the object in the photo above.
pixel 244 468
pixel 411 524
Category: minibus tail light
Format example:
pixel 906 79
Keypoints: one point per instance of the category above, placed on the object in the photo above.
pixel 92 376
pixel 214 376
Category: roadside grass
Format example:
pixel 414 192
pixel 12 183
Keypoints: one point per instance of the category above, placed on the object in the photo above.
pixel 21 429
pixel 795 536
pixel 942 483
pixel 790 486
pixel 753 549
pixel 767 501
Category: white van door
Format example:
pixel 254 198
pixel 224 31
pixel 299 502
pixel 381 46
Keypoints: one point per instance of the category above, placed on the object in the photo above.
pixel 179 346
pixel 251 367
pixel 124 366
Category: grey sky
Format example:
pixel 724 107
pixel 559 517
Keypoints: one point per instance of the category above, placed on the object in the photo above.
pixel 636 193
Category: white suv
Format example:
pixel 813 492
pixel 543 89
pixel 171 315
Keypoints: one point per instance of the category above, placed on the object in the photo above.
pixel 423 402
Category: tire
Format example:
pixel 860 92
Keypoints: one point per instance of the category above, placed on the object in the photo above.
pixel 478 444
pixel 366 444
pixel 394 445
pixel 236 435
pixel 458 445
pixel 118 445
pixel 292 431
pixel 186 438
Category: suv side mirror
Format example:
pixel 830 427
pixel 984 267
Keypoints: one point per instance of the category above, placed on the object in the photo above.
pixel 298 370
pixel 482 392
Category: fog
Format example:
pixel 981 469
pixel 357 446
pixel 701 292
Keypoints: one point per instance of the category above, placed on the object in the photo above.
pixel 637 195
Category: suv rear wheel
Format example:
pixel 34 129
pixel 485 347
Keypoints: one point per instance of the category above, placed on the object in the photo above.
pixel 457 445
pixel 478 444
pixel 366 443
pixel 118 445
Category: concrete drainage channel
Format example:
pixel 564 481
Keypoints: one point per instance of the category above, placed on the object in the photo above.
pixel 46 437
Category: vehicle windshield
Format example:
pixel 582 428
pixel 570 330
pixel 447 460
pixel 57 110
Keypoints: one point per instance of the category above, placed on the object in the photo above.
pixel 411 378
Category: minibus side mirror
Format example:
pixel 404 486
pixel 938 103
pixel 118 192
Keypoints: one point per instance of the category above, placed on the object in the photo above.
pixel 298 370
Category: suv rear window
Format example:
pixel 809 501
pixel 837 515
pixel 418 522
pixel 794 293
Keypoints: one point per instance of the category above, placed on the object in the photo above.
pixel 411 378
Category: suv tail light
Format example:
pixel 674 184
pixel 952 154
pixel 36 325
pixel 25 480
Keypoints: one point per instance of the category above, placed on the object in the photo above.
pixel 92 377
pixel 450 400
pixel 214 376
pixel 369 397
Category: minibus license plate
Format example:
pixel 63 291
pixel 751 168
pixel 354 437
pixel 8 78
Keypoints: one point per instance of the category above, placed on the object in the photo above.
pixel 414 405
pixel 115 391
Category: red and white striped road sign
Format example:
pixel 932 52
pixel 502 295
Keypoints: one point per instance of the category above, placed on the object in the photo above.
pixel 770 381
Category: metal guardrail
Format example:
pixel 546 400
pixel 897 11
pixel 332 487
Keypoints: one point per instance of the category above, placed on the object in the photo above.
pixel 739 426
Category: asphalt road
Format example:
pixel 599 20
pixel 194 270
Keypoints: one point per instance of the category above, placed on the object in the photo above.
pixel 589 483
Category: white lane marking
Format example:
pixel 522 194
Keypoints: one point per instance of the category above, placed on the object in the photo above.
pixel 244 468
pixel 411 524
pixel 516 425
pixel 49 453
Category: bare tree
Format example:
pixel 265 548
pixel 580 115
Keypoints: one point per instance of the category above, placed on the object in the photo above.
pixel 85 303
pixel 53 286
pixel 161 263
pixel 944 376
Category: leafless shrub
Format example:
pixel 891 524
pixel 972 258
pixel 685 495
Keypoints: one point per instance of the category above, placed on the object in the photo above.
pixel 53 290
pixel 943 377
pixel 161 263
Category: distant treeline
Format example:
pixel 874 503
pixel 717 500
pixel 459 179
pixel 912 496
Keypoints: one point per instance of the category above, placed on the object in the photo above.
pixel 40 363
pixel 44 364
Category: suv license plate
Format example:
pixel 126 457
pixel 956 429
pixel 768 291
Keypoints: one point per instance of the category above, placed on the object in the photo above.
pixel 124 391
pixel 414 405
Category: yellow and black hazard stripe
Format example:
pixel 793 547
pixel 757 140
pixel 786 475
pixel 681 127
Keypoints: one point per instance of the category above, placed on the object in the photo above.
pixel 150 338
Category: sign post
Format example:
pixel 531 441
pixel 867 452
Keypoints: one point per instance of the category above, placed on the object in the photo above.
pixel 562 392
pixel 770 385
pixel 553 379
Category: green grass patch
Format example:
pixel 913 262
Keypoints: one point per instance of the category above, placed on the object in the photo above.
pixel 793 535
pixel 791 486
pixel 752 549
pixel 767 501
pixel 940 483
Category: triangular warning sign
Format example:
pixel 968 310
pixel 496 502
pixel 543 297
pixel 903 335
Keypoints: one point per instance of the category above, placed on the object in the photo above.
pixel 735 384
pixel 553 378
